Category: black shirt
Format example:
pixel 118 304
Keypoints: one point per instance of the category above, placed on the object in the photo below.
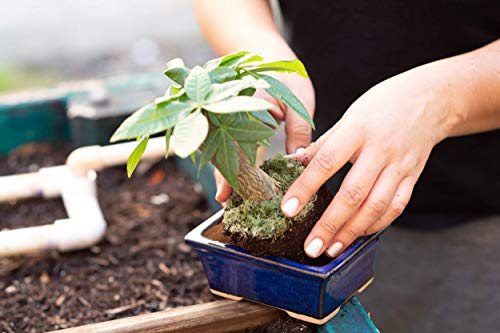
pixel 350 45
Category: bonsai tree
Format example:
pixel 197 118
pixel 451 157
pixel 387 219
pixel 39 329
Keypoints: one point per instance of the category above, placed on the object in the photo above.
pixel 211 108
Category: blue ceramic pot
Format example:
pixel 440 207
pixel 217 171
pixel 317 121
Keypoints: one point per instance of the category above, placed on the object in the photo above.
pixel 311 293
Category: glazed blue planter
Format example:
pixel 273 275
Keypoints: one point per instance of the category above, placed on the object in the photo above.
pixel 310 293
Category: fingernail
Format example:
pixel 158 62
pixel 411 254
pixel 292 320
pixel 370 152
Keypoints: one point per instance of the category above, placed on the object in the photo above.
pixel 299 151
pixel 314 248
pixel 219 188
pixel 290 207
pixel 334 249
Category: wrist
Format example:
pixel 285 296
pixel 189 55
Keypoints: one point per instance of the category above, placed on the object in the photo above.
pixel 470 88
pixel 443 97
pixel 271 45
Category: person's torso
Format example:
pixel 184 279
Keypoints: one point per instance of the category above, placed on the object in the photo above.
pixel 349 46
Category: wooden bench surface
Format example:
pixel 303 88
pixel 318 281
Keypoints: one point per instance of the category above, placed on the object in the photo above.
pixel 218 316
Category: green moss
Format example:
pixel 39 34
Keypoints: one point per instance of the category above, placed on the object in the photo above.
pixel 283 169
pixel 265 220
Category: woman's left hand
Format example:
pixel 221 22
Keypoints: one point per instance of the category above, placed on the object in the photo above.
pixel 388 134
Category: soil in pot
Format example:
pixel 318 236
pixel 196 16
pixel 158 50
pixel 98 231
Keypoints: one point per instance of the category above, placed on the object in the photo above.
pixel 262 228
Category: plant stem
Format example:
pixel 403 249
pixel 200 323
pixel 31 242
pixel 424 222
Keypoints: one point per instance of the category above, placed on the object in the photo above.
pixel 253 183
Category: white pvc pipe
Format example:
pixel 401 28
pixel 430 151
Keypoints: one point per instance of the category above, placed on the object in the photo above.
pixel 44 183
pixel 26 240
pixel 84 227
pixel 97 158
pixel 86 224
pixel 19 186
pixel 75 182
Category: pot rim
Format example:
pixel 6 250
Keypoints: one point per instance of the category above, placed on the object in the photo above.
pixel 196 236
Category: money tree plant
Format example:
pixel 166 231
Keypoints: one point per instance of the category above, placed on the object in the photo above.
pixel 211 108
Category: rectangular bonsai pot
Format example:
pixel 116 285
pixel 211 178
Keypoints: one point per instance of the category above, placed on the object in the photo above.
pixel 310 293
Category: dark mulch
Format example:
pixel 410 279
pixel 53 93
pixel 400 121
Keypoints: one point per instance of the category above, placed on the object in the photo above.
pixel 288 325
pixel 141 266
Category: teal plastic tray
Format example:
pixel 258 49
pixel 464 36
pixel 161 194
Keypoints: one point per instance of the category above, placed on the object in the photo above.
pixel 352 318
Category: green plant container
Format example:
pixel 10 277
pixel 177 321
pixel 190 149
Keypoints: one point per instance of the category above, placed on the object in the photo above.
pixel 94 118
pixel 37 120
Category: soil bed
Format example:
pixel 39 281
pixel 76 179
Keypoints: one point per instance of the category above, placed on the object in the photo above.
pixel 142 265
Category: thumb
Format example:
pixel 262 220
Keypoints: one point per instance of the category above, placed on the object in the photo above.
pixel 298 132
pixel 224 190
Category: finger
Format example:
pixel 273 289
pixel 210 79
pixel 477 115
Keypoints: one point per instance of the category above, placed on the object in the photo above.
pixel 218 177
pixel 279 115
pixel 305 155
pixel 372 209
pixel 327 160
pixel 346 202
pixel 298 132
pixel 224 190
pixel 396 207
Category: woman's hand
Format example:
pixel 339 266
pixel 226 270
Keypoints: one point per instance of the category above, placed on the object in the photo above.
pixel 298 132
pixel 388 134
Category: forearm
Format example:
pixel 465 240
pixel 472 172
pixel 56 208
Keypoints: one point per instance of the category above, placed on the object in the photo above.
pixel 234 25
pixel 480 75
pixel 471 84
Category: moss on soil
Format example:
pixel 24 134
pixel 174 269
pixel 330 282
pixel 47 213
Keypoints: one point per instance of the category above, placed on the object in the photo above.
pixel 264 220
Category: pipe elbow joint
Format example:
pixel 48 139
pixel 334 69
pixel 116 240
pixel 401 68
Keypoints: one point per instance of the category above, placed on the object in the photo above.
pixel 76 234
pixel 81 160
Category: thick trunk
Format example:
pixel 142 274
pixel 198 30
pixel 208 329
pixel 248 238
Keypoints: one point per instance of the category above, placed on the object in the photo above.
pixel 253 183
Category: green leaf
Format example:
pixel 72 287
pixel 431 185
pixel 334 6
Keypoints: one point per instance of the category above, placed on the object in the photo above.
pixel 210 147
pixel 174 90
pixel 281 92
pixel 245 59
pixel 168 134
pixel 176 71
pixel 150 119
pixel 252 58
pixel 170 95
pixel 247 92
pixel 214 118
pixel 228 118
pixel 232 58
pixel 178 75
pixel 250 131
pixel 174 63
pixel 189 134
pixel 222 91
pixel 250 151
pixel 197 84
pixel 227 161
pixel 226 60
pixel 291 66
pixel 212 64
pixel 240 104
pixel 136 155
pixel 193 157
pixel 265 117
pixel 222 74
pixel 240 116
pixel 265 143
